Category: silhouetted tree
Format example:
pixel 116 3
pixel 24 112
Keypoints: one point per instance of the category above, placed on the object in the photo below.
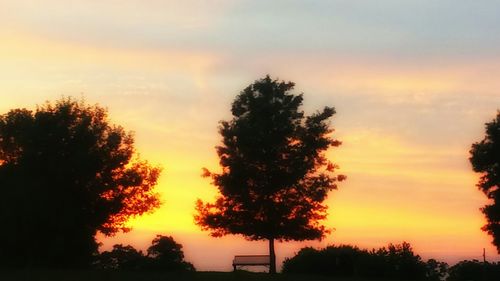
pixel 406 264
pixel 166 254
pixel 436 270
pixel 65 174
pixel 485 159
pixel 394 262
pixel 121 257
pixel 275 175
pixel 332 261
pixel 474 270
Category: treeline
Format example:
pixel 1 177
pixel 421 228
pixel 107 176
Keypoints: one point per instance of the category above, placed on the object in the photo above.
pixel 394 262
pixel 164 254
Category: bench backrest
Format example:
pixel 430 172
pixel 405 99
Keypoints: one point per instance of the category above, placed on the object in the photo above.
pixel 251 260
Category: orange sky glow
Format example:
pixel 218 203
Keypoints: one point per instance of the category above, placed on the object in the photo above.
pixel 407 109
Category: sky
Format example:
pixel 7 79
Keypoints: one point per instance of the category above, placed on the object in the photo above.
pixel 413 83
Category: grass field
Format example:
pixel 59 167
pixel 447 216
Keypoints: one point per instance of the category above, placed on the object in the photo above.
pixel 51 275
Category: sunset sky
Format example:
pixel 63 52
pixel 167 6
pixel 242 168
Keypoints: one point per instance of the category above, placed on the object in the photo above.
pixel 413 83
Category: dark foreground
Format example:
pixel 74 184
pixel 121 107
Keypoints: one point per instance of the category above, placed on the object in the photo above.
pixel 52 275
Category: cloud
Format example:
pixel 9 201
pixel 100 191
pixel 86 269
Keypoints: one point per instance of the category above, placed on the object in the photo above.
pixel 124 24
pixel 381 28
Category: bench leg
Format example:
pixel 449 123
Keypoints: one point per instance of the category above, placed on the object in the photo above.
pixel 234 267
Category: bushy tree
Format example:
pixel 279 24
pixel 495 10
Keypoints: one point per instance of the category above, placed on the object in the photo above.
pixel 485 159
pixel 166 254
pixel 474 270
pixel 394 262
pixel 333 261
pixel 121 257
pixel 66 173
pixel 402 261
pixel 436 270
pixel 275 175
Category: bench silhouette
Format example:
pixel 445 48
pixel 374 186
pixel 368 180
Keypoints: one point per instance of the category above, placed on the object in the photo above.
pixel 251 260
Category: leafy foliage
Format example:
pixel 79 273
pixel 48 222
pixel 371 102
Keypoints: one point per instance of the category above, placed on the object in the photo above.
pixel 164 254
pixel 397 261
pixel 485 159
pixel 66 173
pixel 436 270
pixel 275 175
pixel 474 270
pixel 332 260
pixel 394 262
pixel 121 257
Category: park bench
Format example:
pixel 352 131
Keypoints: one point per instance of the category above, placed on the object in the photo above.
pixel 251 260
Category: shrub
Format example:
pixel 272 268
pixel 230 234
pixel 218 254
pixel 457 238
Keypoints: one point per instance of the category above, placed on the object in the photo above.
pixel 164 254
pixel 474 270
pixel 396 261
pixel 121 257
pixel 333 260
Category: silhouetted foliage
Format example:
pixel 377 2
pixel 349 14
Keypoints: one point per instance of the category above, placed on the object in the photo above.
pixel 474 270
pixel 65 174
pixel 332 260
pixel 121 257
pixel 485 159
pixel 164 254
pixel 395 262
pixel 436 270
pixel 275 175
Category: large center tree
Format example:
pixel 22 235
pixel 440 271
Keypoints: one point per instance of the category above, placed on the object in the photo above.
pixel 275 175
pixel 67 173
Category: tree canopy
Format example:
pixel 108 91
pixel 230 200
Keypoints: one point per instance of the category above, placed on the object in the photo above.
pixel 120 257
pixel 394 262
pixel 66 173
pixel 485 159
pixel 275 174
pixel 164 254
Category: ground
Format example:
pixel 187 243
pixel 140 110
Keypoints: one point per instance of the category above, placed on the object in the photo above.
pixel 52 275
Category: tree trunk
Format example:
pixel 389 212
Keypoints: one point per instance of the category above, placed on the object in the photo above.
pixel 272 257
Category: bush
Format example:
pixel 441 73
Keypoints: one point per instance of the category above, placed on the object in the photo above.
pixel 474 270
pixel 436 270
pixel 121 257
pixel 164 254
pixel 333 260
pixel 396 261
